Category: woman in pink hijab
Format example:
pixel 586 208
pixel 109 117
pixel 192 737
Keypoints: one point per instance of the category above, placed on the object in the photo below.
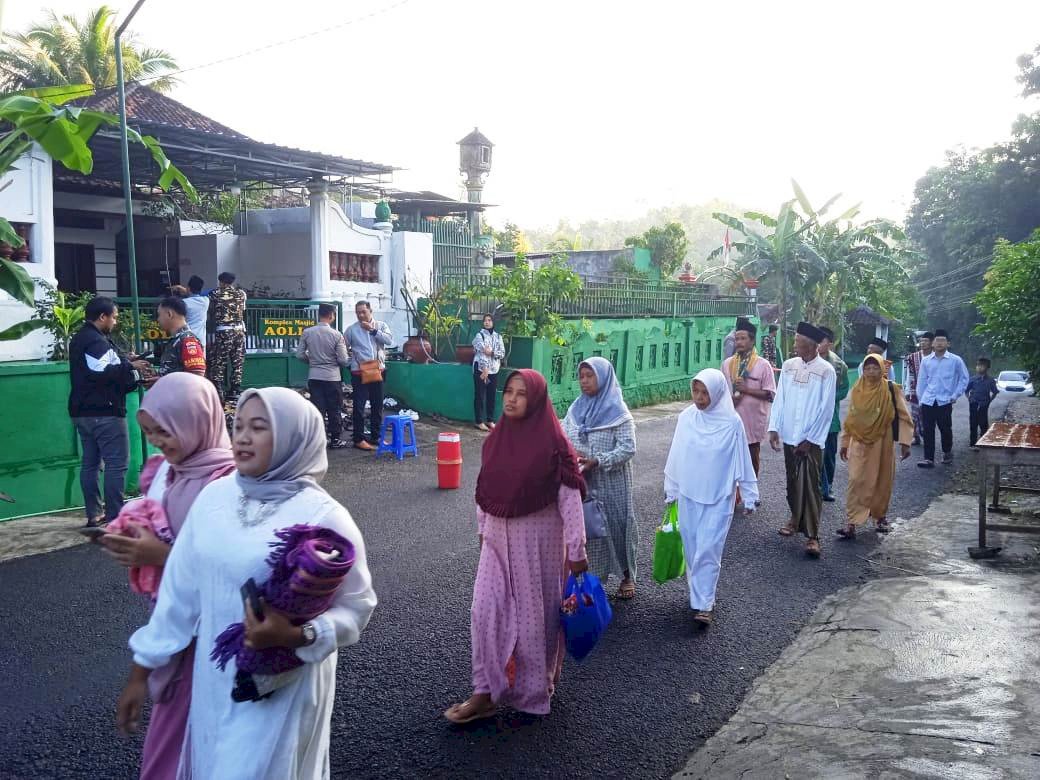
pixel 183 418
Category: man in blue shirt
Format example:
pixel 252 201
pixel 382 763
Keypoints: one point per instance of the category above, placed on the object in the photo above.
pixel 982 389
pixel 943 380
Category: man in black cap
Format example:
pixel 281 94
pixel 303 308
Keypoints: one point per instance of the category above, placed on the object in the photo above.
pixel 729 344
pixel 943 380
pixel 841 372
pixel 800 419
pixel 913 371
pixel 878 346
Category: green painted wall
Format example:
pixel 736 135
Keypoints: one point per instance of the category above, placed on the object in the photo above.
pixel 654 358
pixel 39 462
pixel 445 389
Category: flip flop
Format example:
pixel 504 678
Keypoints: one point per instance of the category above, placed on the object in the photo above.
pixel 477 714
pixel 787 530
pixel 626 593
pixel 812 548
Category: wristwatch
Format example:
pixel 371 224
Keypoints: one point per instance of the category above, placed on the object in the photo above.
pixel 310 634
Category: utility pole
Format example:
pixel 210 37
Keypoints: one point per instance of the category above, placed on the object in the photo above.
pixel 124 148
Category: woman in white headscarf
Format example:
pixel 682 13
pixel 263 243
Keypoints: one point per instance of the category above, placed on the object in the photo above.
pixel 279 451
pixel 601 429
pixel 709 457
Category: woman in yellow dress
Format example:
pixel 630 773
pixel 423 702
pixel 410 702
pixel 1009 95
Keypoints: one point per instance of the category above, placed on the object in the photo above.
pixel 877 418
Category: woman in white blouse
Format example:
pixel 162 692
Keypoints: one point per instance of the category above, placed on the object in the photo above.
pixel 488 351
pixel 279 449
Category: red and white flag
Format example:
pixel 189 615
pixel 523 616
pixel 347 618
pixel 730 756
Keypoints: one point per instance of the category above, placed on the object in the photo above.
pixel 726 247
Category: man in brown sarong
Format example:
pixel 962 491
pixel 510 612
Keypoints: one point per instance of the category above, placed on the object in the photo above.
pixel 801 418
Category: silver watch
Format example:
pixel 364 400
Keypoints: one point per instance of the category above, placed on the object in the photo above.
pixel 310 634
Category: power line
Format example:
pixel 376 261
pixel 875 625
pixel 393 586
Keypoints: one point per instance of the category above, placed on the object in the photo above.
pixel 957 271
pixel 74 93
pixel 953 283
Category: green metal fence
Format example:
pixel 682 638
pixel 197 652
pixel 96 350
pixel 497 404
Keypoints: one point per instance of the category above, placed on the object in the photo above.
pixel 618 296
pixel 257 311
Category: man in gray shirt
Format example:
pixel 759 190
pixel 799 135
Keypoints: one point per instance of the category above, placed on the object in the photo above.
pixel 323 348
pixel 368 339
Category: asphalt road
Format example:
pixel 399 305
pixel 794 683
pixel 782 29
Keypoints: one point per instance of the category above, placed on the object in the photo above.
pixel 653 690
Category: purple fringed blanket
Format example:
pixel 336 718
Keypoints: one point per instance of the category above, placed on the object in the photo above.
pixel 308 564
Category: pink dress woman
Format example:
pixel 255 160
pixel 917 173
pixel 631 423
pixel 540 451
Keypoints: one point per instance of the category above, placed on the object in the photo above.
pixel 188 407
pixel 529 515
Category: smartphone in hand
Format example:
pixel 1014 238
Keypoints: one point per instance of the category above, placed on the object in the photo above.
pixel 251 596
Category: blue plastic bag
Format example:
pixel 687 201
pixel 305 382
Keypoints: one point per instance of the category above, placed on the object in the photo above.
pixel 584 614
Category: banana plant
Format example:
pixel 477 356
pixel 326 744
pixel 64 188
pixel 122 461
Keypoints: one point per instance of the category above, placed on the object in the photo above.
pixel 41 116
pixel 776 248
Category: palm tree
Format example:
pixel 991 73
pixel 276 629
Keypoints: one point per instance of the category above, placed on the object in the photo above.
pixel 65 51
pixel 785 255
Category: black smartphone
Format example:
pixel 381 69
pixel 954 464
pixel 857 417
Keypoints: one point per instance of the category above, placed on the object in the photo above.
pixel 251 596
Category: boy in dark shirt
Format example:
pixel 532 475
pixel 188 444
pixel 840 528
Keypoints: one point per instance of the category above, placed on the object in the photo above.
pixel 982 389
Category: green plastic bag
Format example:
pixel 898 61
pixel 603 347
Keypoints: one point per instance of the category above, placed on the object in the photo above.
pixel 669 561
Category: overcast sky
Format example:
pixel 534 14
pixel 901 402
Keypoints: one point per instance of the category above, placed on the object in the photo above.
pixel 604 109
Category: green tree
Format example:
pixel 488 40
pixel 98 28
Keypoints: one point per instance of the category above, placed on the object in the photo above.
pixel 529 297
pixel 511 239
pixel 668 246
pixel 64 133
pixel 702 231
pixel 66 50
pixel 962 207
pixel 820 269
pixel 1029 72
pixel 781 255
pixel 1009 302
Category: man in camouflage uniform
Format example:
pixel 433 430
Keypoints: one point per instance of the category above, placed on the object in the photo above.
pixel 228 310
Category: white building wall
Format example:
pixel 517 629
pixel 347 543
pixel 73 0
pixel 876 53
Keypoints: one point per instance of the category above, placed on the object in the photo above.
pixel 279 261
pixel 28 198
pixel 207 256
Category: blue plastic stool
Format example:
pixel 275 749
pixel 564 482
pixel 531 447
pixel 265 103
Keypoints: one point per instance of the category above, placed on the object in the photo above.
pixel 396 426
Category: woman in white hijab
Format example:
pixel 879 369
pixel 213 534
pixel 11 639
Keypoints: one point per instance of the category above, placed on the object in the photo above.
pixel 708 459
pixel 279 451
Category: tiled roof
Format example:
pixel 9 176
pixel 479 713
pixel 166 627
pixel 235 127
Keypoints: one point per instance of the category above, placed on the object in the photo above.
pixel 146 105
pixel 476 137
pixel 864 315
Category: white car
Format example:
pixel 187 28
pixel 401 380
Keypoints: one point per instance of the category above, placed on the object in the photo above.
pixel 1014 382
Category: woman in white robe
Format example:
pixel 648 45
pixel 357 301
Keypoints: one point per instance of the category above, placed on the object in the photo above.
pixel 709 457
pixel 279 449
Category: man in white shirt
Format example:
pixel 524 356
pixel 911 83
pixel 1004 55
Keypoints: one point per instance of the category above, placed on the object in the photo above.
pixel 800 419
pixel 197 305
pixel 943 379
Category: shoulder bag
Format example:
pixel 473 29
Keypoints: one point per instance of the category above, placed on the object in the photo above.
pixel 895 410
pixel 595 517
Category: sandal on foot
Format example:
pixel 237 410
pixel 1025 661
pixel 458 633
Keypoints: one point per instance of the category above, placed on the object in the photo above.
pixel 626 591
pixel 467 712
pixel 847 531
pixel 812 548
pixel 787 530
pixel 482 427
pixel 703 616
pixel 882 526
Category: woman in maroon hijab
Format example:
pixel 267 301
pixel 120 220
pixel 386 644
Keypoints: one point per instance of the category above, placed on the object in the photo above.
pixel 532 530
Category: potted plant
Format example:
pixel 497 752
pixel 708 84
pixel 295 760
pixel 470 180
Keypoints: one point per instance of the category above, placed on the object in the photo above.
pixel 61 314
pixel 416 348
pixel 527 298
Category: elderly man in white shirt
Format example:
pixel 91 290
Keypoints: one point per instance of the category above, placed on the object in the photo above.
pixel 800 418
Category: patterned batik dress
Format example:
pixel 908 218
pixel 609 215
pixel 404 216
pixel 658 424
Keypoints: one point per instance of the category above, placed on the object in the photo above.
pixel 611 483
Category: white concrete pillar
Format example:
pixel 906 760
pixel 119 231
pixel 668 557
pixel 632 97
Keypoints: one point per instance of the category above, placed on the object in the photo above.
pixel 320 287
